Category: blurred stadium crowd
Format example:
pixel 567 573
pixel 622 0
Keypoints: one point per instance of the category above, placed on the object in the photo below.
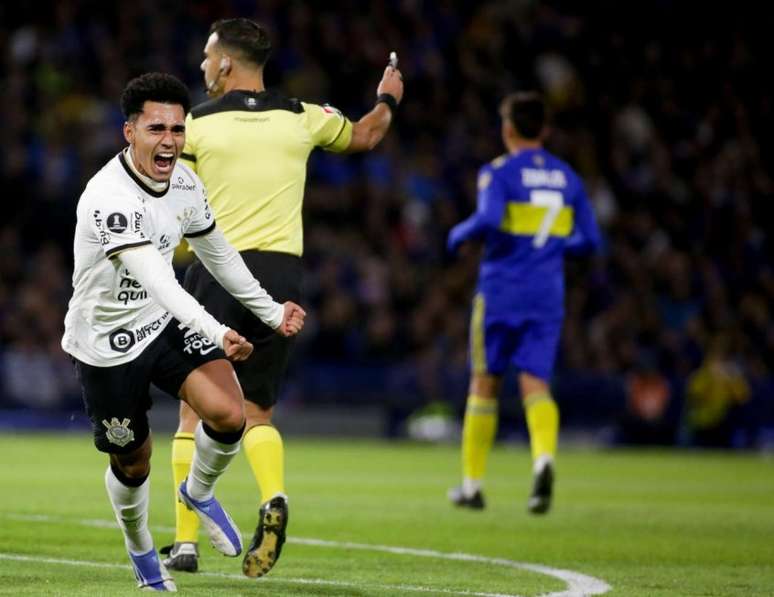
pixel 663 111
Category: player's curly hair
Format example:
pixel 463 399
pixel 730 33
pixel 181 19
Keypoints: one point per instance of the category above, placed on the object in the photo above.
pixel 153 87
pixel 526 111
pixel 244 37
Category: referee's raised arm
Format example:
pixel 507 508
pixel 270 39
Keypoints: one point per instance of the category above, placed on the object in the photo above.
pixel 371 128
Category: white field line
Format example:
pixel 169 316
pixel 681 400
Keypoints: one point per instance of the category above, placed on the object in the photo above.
pixel 578 585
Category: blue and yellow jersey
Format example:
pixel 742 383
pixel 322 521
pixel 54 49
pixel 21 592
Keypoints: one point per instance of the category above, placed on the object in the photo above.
pixel 532 209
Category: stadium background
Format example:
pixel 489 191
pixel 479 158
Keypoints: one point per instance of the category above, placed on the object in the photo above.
pixel 663 107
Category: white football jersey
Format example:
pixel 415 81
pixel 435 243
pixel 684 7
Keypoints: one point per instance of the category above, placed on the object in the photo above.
pixel 111 319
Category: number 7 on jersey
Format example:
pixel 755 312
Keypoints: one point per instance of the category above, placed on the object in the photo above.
pixel 552 201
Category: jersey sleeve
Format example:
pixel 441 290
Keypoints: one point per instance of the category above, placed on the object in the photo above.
pixel 490 208
pixel 228 268
pixel 118 221
pixel 201 222
pixel 328 127
pixel 189 150
pixel 585 236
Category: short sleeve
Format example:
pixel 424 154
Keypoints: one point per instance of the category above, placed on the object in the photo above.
pixel 328 127
pixel 201 221
pixel 189 149
pixel 118 222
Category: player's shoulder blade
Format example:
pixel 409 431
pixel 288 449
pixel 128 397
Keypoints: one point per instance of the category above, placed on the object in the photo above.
pixel 247 101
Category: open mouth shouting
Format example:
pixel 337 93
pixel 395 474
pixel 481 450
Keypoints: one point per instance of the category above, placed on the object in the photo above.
pixel 163 162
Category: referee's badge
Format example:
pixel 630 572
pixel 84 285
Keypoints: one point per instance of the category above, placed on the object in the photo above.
pixel 118 433
pixel 328 109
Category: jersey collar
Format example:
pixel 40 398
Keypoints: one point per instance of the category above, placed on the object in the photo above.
pixel 136 178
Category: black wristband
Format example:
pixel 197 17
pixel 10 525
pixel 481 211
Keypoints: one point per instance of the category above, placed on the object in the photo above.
pixel 389 99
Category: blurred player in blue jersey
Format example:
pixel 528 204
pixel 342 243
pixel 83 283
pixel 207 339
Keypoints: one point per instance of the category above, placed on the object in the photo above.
pixel 532 210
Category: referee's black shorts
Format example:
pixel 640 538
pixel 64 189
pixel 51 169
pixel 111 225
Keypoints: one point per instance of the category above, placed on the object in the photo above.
pixel 281 275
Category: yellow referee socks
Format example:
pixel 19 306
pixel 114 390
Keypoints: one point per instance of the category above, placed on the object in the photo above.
pixel 478 434
pixel 186 521
pixel 543 424
pixel 265 453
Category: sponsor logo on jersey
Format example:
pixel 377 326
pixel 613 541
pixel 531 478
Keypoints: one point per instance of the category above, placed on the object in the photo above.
pixel 104 235
pixel 194 342
pixel 181 185
pixel 164 241
pixel 121 340
pixel 116 222
pixel 137 223
pixel 149 328
pixel 252 118
pixel 118 433
pixel 130 290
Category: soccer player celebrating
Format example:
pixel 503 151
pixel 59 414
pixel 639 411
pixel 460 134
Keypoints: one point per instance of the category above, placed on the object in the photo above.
pixel 532 209
pixel 130 324
pixel 250 146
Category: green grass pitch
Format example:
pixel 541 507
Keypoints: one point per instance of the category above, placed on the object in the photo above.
pixel 646 523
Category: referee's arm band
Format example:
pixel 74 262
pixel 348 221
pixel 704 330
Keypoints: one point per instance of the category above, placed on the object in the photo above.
pixel 389 99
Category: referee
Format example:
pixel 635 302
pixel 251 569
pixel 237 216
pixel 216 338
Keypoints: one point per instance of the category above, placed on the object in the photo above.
pixel 250 146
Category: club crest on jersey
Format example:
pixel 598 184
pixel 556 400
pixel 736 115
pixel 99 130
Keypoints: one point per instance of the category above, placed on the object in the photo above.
pixel 186 217
pixel 117 222
pixel 118 433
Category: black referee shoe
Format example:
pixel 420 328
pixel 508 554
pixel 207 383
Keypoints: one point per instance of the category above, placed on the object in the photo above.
pixel 269 537
pixel 183 556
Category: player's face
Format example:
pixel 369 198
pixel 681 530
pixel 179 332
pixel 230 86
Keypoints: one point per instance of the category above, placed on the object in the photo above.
pixel 157 137
pixel 211 66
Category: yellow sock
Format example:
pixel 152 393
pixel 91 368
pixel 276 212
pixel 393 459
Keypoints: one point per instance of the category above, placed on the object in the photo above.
pixel 478 434
pixel 264 451
pixel 186 521
pixel 543 424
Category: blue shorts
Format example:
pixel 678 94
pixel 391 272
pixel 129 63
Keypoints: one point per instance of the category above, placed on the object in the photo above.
pixel 528 344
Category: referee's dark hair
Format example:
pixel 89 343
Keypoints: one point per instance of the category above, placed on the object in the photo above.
pixel 153 87
pixel 526 112
pixel 244 37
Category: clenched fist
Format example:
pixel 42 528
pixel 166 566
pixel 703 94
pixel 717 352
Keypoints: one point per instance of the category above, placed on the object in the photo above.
pixel 292 320
pixel 236 347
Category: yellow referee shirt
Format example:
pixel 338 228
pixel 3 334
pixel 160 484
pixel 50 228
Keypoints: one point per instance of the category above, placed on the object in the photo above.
pixel 250 150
